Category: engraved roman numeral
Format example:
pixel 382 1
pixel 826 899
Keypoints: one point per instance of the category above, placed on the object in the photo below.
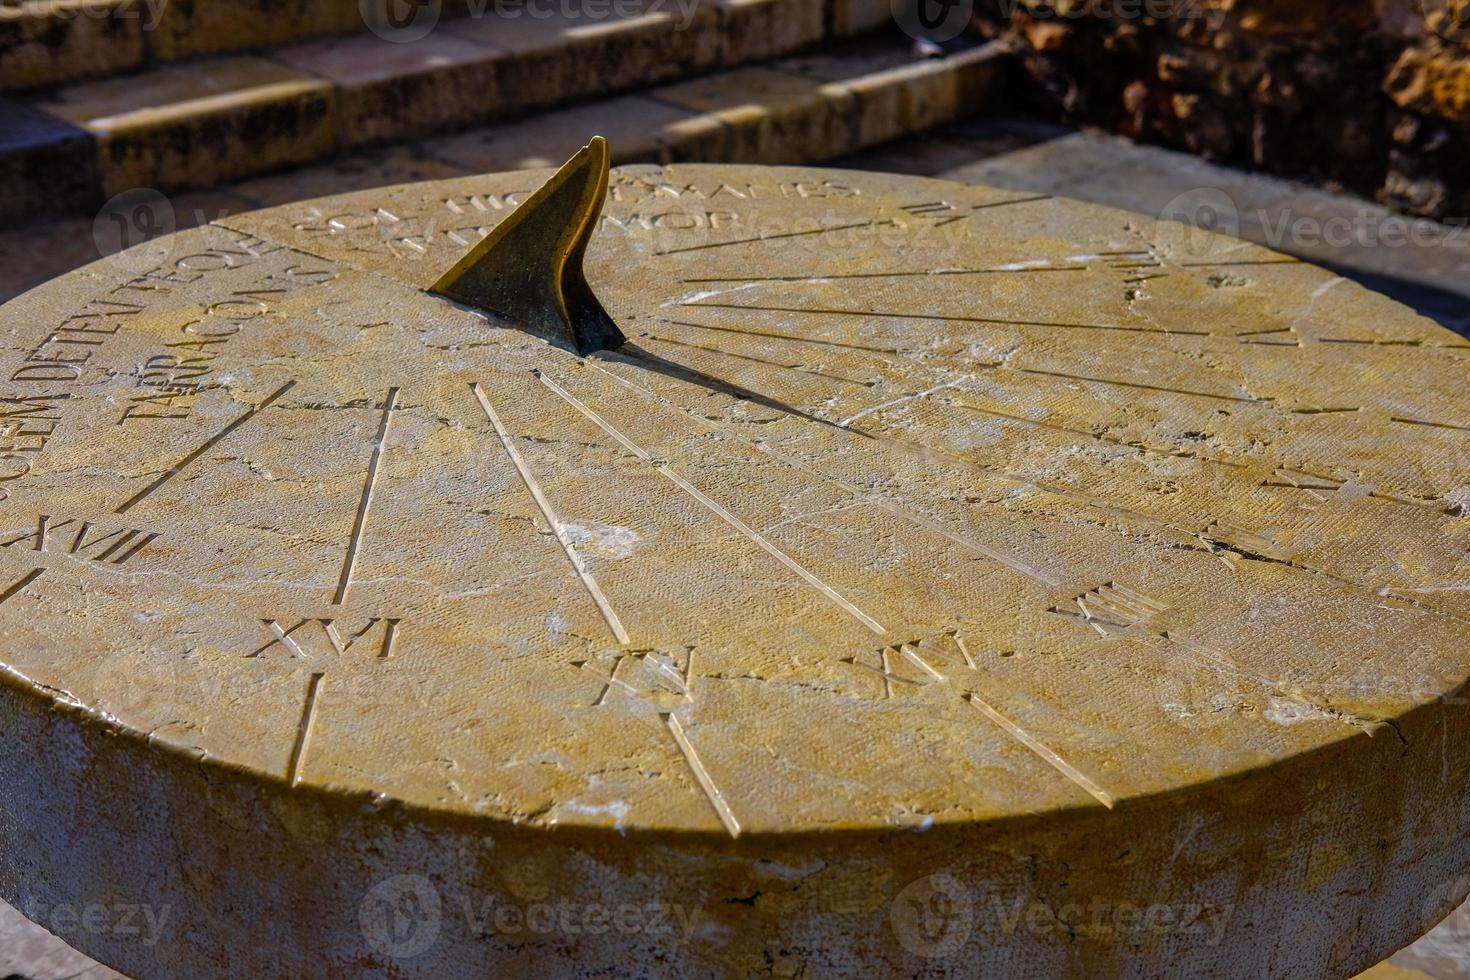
pixel 941 213
pixel 1113 607
pixel 110 547
pixel 312 638
pixel 650 674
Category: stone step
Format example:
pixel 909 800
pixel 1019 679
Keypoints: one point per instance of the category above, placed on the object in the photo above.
pixel 225 117
pixel 49 42
pixel 805 109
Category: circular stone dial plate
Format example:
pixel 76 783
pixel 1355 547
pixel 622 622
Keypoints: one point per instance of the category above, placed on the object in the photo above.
pixel 908 503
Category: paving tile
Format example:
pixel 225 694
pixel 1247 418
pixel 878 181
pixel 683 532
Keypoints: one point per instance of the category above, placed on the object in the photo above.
pixel 360 171
pixel 58 42
pixel 392 91
pixel 30 952
pixel 1444 954
pixel 573 55
pixel 956 145
pixel 638 130
pixel 190 28
pixel 36 252
pixel 46 163
pixel 758 30
pixel 771 116
pixel 207 121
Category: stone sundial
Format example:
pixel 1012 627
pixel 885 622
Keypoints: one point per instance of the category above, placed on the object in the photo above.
pixel 846 573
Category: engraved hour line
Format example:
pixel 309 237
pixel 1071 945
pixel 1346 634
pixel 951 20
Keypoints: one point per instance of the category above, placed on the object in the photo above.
pixel 772 238
pixel 206 447
pixel 1051 374
pixel 1056 761
pixel 1215 265
pixel 885 315
pixel 1132 384
pixel 1182 454
pixel 360 521
pixel 896 274
pixel 1006 204
pixel 928 524
pixel 716 798
pixel 668 472
pixel 1432 425
pixel 782 336
pixel 938 528
pixel 798 368
pixel 303 731
pixel 552 520
pixel 24 581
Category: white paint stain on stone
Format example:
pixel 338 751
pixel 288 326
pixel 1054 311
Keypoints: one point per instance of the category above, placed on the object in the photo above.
pixel 603 540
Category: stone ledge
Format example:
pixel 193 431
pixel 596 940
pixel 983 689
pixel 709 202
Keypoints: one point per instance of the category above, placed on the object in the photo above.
pixel 806 110
pixel 232 116
pixel 52 42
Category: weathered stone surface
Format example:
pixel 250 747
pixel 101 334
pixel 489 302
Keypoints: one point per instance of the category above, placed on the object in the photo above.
pixel 46 163
pixel 553 60
pixel 754 30
pixel 639 129
pixel 934 547
pixel 772 115
pixel 390 91
pixel 895 94
pixel 65 39
pixel 196 124
pixel 188 28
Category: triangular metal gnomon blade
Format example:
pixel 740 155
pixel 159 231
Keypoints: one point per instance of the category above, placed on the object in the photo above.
pixel 528 270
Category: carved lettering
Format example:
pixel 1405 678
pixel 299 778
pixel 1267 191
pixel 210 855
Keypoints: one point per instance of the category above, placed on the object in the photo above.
pixel 311 639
